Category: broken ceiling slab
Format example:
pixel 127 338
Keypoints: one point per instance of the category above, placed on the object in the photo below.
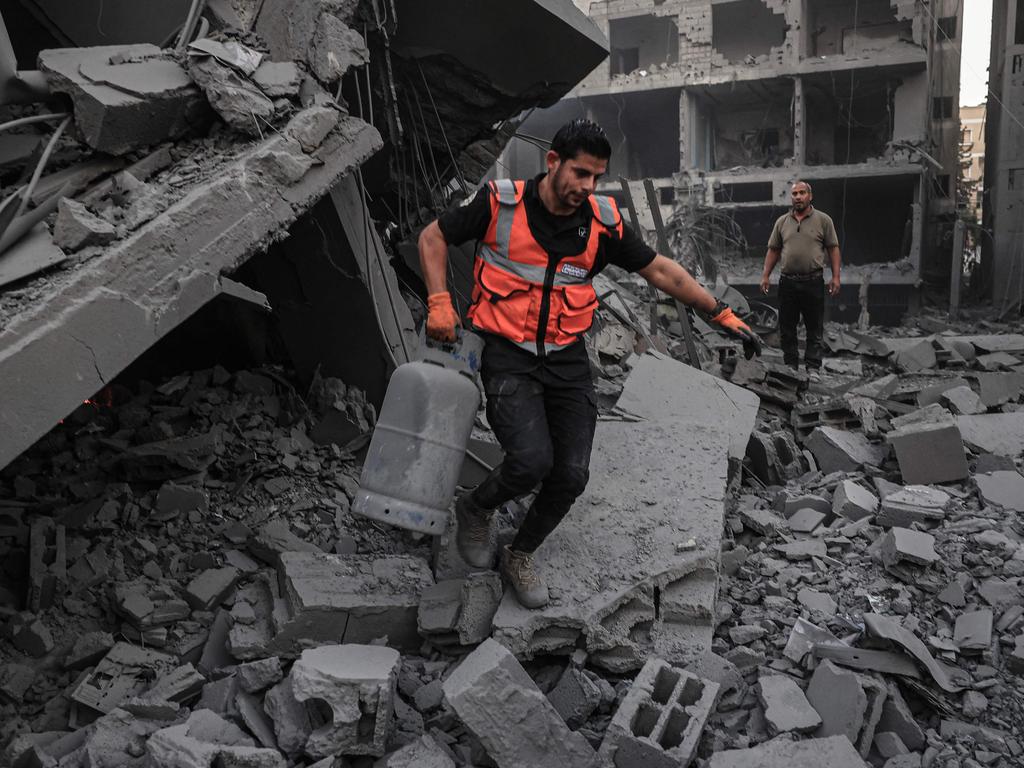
pixel 97 318
pixel 33 253
pixel 660 388
pixel 998 433
pixel 125 96
pixel 654 486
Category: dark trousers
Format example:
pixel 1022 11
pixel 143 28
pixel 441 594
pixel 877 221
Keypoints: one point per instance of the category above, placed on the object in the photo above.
pixel 545 425
pixel 801 299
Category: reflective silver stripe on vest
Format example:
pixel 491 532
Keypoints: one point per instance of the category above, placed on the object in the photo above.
pixel 506 189
pixel 529 272
pixel 531 346
pixel 606 210
pixel 506 193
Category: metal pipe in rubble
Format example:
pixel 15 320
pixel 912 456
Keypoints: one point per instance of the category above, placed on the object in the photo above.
pixel 17 87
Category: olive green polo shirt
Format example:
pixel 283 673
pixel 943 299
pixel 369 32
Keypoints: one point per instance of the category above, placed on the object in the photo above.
pixel 804 243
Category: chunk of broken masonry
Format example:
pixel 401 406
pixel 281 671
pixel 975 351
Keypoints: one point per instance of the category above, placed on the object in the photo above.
pixel 837 450
pixel 495 698
pixel 460 611
pixel 904 544
pixel 76 227
pixel 853 501
pixel 834 752
pixel 660 721
pixel 850 704
pixel 357 684
pixel 423 753
pixel 913 504
pixel 349 598
pixel 785 706
pixel 930 452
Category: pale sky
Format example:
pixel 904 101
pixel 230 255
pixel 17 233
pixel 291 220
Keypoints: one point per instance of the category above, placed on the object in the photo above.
pixel 974 62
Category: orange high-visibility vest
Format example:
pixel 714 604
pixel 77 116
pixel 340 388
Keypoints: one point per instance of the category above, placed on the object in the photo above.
pixel 518 289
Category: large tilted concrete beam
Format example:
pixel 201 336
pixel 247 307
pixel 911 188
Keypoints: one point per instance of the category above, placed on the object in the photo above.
pixel 634 567
pixel 102 316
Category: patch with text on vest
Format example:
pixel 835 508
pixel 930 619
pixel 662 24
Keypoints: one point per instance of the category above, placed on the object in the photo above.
pixel 574 271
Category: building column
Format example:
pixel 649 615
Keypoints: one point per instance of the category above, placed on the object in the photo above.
pixel 799 123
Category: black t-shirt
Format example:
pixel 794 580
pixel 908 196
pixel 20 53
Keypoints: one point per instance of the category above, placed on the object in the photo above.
pixel 560 236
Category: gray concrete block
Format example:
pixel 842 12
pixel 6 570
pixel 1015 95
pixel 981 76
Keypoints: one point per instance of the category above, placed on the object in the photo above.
pixel 913 504
pixel 499 703
pixel 998 433
pixel 661 718
pixel 834 752
pixel 357 683
pixel 838 696
pixel 837 450
pixel 963 400
pixel 918 357
pixel 208 590
pixel 853 501
pixel 77 227
pixel 995 389
pixel 786 707
pixel 933 394
pixel 1002 489
pixel 905 545
pixel 897 718
pixel 351 598
pixel 575 696
pixel 929 452
pixel 973 631
pixel 257 675
pixel 423 753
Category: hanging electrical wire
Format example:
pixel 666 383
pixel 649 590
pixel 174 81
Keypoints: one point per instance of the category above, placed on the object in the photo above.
pixel 41 166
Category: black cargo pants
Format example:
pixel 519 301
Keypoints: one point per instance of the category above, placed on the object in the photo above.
pixel 802 297
pixel 545 423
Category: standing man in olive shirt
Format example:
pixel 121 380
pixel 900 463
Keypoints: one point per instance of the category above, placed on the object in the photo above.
pixel 800 240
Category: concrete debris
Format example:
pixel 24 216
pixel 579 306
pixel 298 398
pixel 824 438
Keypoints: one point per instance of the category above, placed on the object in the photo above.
pixel 905 545
pixel 77 227
pixel 460 611
pixel 929 452
pixel 660 720
pixel 423 753
pixel 1003 489
pixel 913 504
pixel 838 451
pixel 853 501
pixel 233 96
pixel 786 708
pixel 495 698
pixel 834 751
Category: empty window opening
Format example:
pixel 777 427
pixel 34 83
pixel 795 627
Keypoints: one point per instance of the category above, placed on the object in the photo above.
pixel 942 107
pixel 642 42
pixel 757 192
pixel 837 27
pixel 845 127
pixel 947 27
pixel 1018 37
pixel 751 125
pixel 742 30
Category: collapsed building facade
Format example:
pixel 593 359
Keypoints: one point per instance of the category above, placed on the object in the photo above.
pixel 725 102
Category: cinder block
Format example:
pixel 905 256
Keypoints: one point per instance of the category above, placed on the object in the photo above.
pixel 357 683
pixel 659 722
pixel 929 452
pixel 460 611
pixel 351 598
pixel 499 703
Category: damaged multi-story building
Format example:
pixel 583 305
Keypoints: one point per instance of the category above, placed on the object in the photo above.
pixel 723 103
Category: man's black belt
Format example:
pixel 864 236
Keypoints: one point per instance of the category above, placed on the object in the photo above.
pixel 804 276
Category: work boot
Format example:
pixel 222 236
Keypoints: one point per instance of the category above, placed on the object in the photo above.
pixel 521 572
pixel 473 532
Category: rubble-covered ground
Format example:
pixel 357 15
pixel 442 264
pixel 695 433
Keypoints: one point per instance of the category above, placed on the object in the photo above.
pixel 184 584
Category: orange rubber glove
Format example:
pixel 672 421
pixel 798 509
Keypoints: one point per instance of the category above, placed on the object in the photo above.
pixel 441 317
pixel 724 316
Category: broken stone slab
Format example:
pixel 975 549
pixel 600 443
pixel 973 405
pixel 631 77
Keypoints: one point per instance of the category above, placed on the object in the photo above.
pixel 278 79
pixel 839 699
pixel 422 753
pixel 803 550
pixel 125 672
pixel 929 452
pixel 209 589
pixel 963 400
pixel 906 545
pixel 335 48
pixel 1003 489
pixel 660 721
pixel 817 602
pixel 973 631
pixel 834 752
pixel 995 389
pixel 916 357
pixel 76 227
pixel 233 97
pixel 913 504
pixel 206 738
pixel 897 718
pixel 311 126
pixel 806 521
pixel 460 611
pixel 836 450
pixel 143 99
pixel 786 707
pixel 574 697
pixel 853 501
pixel 933 395
pixel 291 718
pixel 788 503
pixel 1001 434
pixel 357 683
pixel 602 591
pixel 499 703
pixel 351 598
pixel 254 676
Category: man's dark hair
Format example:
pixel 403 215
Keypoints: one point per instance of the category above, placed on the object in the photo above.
pixel 581 136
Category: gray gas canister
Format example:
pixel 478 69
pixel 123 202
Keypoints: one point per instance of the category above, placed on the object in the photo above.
pixel 419 442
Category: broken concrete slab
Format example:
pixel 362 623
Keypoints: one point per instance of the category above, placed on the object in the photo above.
pixel 929 452
pixel 278 79
pixel 661 718
pixel 351 598
pixel 423 753
pixel 602 589
pixel 906 545
pixel 1002 489
pixel 839 699
pixel 499 703
pixel 125 672
pixel 997 433
pixel 574 697
pixel 834 752
pixel 837 450
pixel 233 97
pixel 963 400
pixel 460 611
pixel 973 631
pixel 143 99
pixel 913 504
pixel 853 501
pixel 209 589
pixel 335 48
pixel 897 718
pixel 995 389
pixel 916 357
pixel 786 708
pixel 357 684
